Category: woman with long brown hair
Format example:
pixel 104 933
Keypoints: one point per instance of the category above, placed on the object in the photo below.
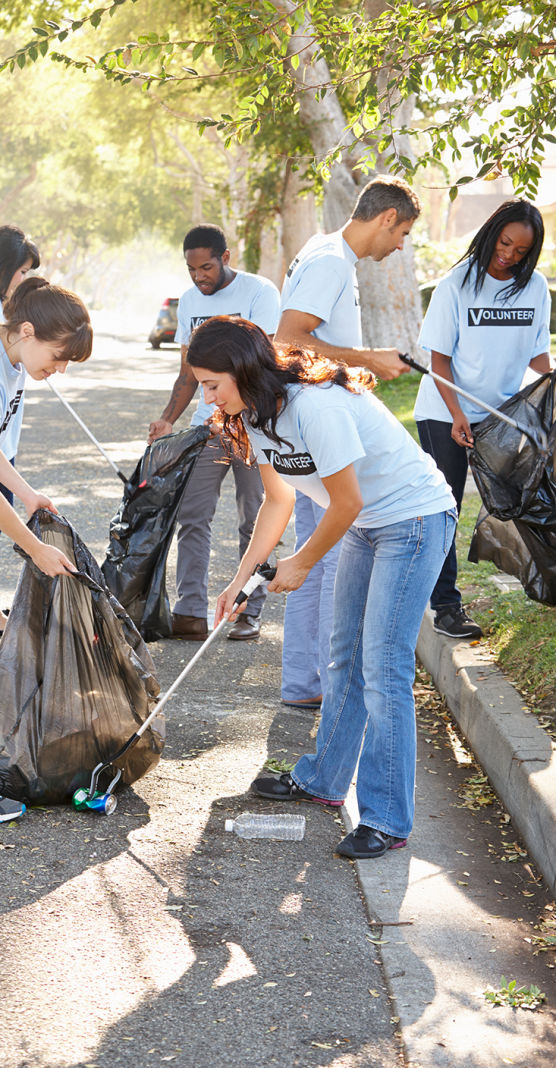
pixel 316 426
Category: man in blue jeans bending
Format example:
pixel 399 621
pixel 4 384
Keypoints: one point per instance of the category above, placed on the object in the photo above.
pixel 320 311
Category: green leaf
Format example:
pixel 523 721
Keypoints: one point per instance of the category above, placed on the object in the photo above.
pixel 484 169
pixel 40 31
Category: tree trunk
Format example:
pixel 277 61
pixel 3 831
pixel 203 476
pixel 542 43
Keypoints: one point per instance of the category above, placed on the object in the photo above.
pixel 270 263
pixel 390 304
pixel 298 214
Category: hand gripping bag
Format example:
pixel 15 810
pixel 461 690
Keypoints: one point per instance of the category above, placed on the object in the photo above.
pixel 76 679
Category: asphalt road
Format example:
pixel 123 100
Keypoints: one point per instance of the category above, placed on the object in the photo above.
pixel 153 937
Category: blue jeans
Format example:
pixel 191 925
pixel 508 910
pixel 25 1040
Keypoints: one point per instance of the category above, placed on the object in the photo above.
pixel 383 583
pixel 308 618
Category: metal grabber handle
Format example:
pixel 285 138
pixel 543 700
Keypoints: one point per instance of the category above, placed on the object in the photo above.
pixel 89 434
pixel 263 573
pixel 538 438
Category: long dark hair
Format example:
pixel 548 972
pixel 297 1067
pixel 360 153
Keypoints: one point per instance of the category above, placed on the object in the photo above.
pixel 262 373
pixel 481 250
pixel 56 314
pixel 15 249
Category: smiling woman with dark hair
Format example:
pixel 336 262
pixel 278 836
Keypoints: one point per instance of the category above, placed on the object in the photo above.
pixel 316 426
pixel 487 322
pixel 18 256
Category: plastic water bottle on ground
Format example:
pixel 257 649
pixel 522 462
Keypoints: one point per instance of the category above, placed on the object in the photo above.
pixel 282 826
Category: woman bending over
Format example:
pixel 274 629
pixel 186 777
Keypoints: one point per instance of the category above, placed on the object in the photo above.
pixel 316 426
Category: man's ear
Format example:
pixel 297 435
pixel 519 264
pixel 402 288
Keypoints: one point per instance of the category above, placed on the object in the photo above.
pixel 389 218
pixel 226 257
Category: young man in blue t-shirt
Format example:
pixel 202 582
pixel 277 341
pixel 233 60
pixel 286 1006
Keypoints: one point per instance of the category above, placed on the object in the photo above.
pixel 217 289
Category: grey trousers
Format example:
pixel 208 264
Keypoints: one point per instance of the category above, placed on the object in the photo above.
pixel 195 517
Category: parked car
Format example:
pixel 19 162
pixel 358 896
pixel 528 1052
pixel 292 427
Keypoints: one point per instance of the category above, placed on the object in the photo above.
pixel 166 324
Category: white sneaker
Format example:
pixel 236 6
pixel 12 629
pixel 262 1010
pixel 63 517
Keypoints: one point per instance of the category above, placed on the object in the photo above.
pixel 10 810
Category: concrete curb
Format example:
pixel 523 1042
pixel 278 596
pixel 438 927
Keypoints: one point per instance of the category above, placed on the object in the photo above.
pixel 515 752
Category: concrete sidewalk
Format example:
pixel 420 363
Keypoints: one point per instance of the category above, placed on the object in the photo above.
pixel 518 756
pixel 445 913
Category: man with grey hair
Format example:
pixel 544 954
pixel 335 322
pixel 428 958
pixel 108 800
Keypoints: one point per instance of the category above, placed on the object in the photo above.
pixel 320 311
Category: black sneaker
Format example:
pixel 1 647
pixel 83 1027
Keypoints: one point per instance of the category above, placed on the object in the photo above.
pixel 285 789
pixel 364 843
pixel 454 621
pixel 10 810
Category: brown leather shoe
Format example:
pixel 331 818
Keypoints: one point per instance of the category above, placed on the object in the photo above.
pixel 245 628
pixel 190 628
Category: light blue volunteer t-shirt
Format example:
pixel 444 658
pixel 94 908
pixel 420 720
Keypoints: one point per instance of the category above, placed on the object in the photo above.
pixel 247 297
pixel 330 428
pixel 322 281
pixel 12 383
pixel 490 339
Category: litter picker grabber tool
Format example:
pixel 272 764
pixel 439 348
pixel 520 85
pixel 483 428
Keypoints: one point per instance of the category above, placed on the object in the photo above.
pixel 106 802
pixel 119 473
pixel 536 436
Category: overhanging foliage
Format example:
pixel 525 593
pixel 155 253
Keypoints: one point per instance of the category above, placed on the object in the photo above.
pixel 483 74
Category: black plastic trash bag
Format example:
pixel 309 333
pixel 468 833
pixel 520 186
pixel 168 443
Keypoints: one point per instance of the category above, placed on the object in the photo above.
pixel 514 476
pixel 141 531
pixel 517 482
pixel 518 550
pixel 76 679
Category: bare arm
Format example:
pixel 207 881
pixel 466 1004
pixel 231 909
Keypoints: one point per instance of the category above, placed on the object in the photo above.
pixel 47 557
pixel 541 363
pixel 271 522
pixel 291 572
pixel 345 504
pixel 295 328
pixel 181 396
pixel 461 430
